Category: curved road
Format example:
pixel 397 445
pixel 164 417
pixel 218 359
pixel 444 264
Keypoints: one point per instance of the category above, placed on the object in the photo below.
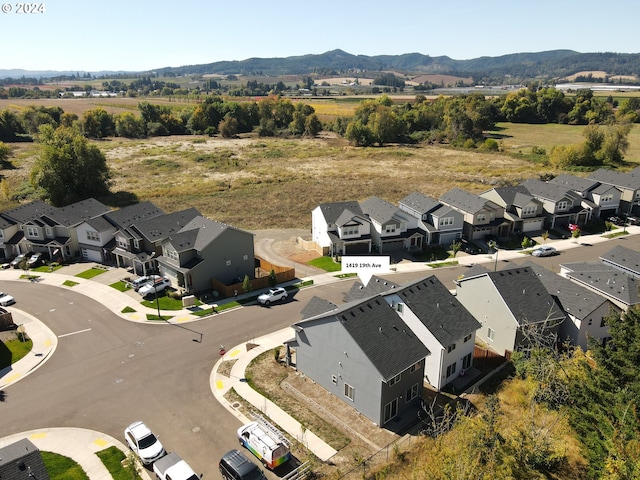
pixel 107 372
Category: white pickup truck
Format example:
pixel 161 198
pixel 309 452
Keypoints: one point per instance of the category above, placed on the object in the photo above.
pixel 172 467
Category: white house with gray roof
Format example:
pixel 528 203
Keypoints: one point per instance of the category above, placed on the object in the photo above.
pixel 586 310
pixel 392 229
pixel 627 182
pixel 510 305
pixel 341 228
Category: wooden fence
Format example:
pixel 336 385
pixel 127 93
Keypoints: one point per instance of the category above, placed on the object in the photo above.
pixel 485 359
pixel 263 267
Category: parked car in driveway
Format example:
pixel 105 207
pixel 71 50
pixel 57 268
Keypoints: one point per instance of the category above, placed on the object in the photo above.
pixel 140 281
pixel 633 220
pixel 173 467
pixel 141 440
pixel 154 286
pixel 36 260
pixel 616 220
pixel 15 263
pixel 273 295
pixel 544 251
pixel 6 299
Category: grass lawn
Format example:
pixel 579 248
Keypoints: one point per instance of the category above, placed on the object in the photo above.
pixel 127 310
pixel 325 263
pixel 69 283
pixel 112 458
pixel 16 350
pixel 121 286
pixel 166 303
pixel 92 272
pixel 47 268
pixel 60 467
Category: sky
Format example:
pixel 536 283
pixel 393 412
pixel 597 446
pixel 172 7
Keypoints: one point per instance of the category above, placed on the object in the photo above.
pixel 141 35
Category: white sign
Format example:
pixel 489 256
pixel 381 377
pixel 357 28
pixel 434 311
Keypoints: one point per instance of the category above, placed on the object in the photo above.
pixel 365 267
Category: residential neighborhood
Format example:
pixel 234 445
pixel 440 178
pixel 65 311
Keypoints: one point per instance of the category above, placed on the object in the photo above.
pixel 384 347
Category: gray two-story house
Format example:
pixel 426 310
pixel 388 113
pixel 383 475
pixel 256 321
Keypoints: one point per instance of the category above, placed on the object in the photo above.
pixel 441 224
pixel 391 228
pixel 365 355
pixel 482 216
pixel 561 204
pixel 606 198
pixel 521 209
pixel 627 182
pixel 203 250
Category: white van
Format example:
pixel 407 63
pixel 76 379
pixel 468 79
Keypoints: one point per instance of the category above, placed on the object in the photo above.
pixel 266 442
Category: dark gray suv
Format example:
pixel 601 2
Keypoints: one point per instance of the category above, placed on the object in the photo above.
pixel 234 465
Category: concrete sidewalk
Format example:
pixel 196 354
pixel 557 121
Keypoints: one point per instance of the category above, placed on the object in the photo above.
pixel 81 444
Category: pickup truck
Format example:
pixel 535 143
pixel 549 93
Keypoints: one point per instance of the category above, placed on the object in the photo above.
pixel 172 467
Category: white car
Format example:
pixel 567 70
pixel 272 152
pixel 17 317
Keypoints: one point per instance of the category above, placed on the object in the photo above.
pixel 143 443
pixel 154 286
pixel 544 251
pixel 140 281
pixel 6 299
pixel 273 295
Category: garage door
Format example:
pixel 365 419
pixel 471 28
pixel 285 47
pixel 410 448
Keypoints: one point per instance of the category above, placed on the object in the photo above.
pixel 91 255
pixel 392 246
pixel 532 225
pixel 354 248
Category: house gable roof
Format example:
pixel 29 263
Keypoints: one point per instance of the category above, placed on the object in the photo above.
pixel 628 180
pixel 161 226
pixel 574 183
pixel 28 211
pixel 574 299
pixel 624 259
pixel 375 286
pixel 440 312
pixel 525 295
pixel 379 210
pixel 379 332
pixel 332 211
pixel 131 214
pixel 549 191
pixel 198 233
pixel 419 202
pixel 22 460
pixel 78 212
pixel 317 306
pixel 609 281
pixel 465 201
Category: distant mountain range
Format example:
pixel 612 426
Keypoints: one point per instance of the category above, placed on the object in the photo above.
pixel 554 64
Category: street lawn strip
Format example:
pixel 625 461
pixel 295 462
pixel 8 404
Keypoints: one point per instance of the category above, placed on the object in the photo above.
pixel 121 286
pixel 615 234
pixel 47 268
pixel 69 283
pixel 127 310
pixel 166 303
pixel 153 317
pixel 325 263
pixel 60 467
pixel 268 385
pixel 112 458
pixel 346 275
pixel 17 349
pixel 452 263
pixel 92 272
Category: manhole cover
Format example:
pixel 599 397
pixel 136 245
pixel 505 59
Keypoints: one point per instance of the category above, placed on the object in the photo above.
pixel 235 405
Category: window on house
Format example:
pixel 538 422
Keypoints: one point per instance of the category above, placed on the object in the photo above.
pixel 451 369
pixel 122 242
pixel 93 236
pixel 491 333
pixel 334 379
pixel 607 198
pixel 563 205
pixel 172 254
pixel 136 243
pixel 400 307
pixel 415 367
pixel 391 228
pixel 446 221
pixel 348 391
pixel 353 230
pixel 451 348
pixel 411 393
pixel 32 232
pixel 603 322
pixel 466 361
pixel 49 231
pixel 467 338
pixel 481 217
pixel 590 321
pixel 390 410
pixel 394 380
pixel 529 210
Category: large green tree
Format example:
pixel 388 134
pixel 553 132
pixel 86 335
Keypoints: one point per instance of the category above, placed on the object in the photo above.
pixel 69 168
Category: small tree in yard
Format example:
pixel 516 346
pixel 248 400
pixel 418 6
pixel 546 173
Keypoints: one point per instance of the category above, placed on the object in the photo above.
pixel 545 236
pixel 526 242
pixel 576 234
pixel 246 284
pixel 455 248
pixel 273 280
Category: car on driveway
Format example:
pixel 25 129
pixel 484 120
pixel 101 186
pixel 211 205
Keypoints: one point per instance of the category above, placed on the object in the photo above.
pixel 273 295
pixel 143 443
pixel 616 220
pixel 36 260
pixel 154 286
pixel 633 220
pixel 544 251
pixel 6 299
pixel 15 263
pixel 140 281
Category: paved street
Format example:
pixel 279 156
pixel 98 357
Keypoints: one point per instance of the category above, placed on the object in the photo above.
pixel 107 371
